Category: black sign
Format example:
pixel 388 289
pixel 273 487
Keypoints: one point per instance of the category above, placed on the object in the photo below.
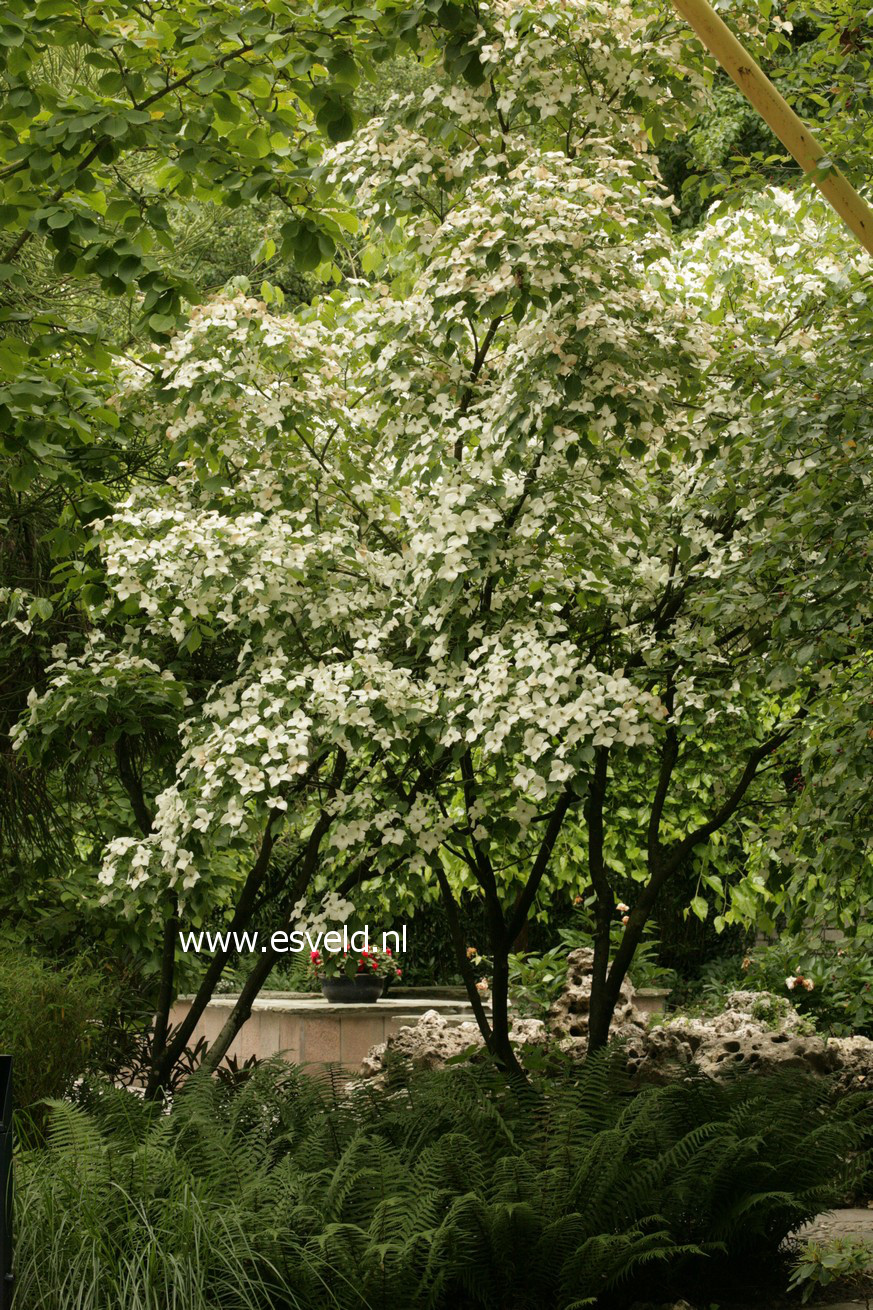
pixel 5 1182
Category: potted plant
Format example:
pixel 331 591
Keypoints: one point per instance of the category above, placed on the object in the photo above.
pixel 356 979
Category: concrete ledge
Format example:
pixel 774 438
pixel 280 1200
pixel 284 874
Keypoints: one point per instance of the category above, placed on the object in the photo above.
pixel 306 1029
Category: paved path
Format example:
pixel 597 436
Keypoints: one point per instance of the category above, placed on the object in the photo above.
pixel 855 1223
pixel 840 1223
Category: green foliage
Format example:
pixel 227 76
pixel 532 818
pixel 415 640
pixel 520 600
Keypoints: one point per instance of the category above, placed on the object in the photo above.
pixel 840 999
pixel 432 958
pixel 819 57
pixel 49 1023
pixel 697 166
pixel 451 1188
pixel 536 979
pixel 844 1260
pixel 111 115
pixel 828 77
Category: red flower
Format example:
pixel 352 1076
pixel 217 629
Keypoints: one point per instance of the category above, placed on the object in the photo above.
pixel 399 973
pixel 315 955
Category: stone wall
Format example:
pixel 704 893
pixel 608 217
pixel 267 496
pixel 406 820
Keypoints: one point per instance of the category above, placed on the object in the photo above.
pixel 307 1030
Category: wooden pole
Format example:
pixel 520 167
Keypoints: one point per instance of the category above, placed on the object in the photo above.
pixel 779 116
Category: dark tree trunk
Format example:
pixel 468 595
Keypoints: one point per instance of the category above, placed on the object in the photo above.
pixel 166 991
pixel 500 1044
pixel 241 1011
pixel 662 863
pixel 459 942
pixel 174 1048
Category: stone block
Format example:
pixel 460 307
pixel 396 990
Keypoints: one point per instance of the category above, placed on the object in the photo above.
pixel 321 1040
pixel 358 1034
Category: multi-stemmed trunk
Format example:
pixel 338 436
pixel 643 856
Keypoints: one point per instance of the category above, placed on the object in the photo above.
pixel 504 925
pixel 609 970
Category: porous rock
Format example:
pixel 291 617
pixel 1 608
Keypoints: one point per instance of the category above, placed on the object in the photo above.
pixel 433 1040
pixel 854 1056
pixel 755 1031
pixel 568 1018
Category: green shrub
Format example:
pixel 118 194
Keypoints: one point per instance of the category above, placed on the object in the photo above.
pixel 50 1023
pixel 840 999
pixel 844 1260
pixel 447 1189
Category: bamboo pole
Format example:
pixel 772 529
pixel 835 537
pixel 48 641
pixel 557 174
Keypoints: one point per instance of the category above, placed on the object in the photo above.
pixel 779 116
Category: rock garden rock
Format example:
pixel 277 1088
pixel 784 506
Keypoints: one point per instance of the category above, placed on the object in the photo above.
pixel 568 1017
pixel 432 1041
pixel 755 1031
pixel 854 1062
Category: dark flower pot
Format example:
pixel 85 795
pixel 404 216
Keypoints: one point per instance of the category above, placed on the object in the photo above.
pixel 363 989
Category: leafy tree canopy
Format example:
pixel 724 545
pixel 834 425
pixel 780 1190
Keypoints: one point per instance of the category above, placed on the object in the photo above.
pixel 532 554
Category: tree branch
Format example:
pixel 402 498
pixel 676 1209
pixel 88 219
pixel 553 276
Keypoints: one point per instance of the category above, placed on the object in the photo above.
pixel 171 1053
pixel 457 934
pixel 528 895
pixel 132 784
pixel 669 756
pixel 263 967
pixel 599 1014
pixel 475 370
pixel 725 811
pixel 483 867
pixel 664 868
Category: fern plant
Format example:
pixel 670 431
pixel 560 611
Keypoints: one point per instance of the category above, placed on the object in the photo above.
pixel 444 1189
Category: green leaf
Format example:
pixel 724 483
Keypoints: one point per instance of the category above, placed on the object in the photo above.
pixel 161 323
pixel 41 608
pixel 340 126
pixel 344 68
pixel 700 907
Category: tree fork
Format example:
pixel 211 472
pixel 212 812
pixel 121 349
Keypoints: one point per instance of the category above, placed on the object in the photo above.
pixel 779 117
pixel 457 934
pixel 163 1062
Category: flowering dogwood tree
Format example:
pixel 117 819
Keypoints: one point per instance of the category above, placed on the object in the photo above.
pixel 495 539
